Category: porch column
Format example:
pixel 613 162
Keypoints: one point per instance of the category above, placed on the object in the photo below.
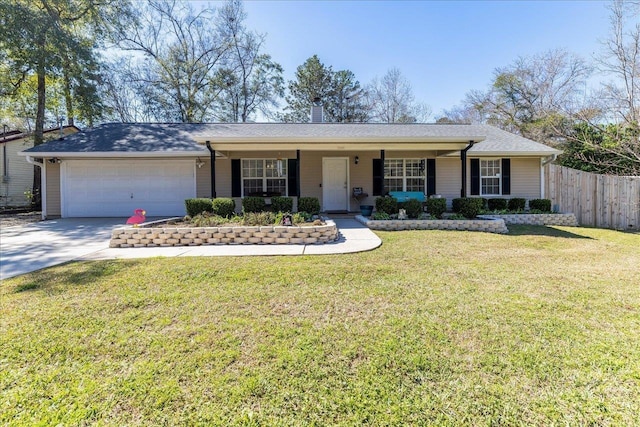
pixel 298 173
pixel 382 161
pixel 463 159
pixel 213 170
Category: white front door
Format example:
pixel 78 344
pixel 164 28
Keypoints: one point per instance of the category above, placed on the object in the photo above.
pixel 335 184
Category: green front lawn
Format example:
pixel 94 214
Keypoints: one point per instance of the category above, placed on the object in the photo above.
pixel 537 327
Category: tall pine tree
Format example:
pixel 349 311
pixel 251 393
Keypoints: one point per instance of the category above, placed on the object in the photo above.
pixel 339 92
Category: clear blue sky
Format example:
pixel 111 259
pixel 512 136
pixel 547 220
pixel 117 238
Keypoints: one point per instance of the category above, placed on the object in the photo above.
pixel 445 48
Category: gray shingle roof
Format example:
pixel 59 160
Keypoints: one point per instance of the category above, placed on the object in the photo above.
pixel 16 134
pixel 125 138
pixel 335 130
pixel 500 141
pixel 185 138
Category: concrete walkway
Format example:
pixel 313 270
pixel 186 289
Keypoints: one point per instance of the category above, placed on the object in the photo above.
pixel 48 243
pixel 354 237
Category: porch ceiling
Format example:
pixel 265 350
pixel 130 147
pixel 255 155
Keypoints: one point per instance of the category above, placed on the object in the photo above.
pixel 335 144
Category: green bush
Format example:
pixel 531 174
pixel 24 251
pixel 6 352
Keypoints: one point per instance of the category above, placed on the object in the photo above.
pixel 302 217
pixel 543 205
pixel 436 207
pixel 224 207
pixel 310 205
pixel 281 204
pixel 413 208
pixel 197 206
pixel 497 204
pixel 516 204
pixel 253 204
pixel 381 216
pixel 468 206
pixel 456 204
pixel 387 204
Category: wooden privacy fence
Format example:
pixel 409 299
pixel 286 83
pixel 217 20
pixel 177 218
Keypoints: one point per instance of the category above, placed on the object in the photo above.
pixel 604 201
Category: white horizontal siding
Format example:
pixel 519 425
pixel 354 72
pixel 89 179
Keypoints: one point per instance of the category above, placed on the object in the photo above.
pixel 525 178
pixel 448 173
pixel 19 172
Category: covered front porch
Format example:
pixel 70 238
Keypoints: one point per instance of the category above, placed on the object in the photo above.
pixel 331 170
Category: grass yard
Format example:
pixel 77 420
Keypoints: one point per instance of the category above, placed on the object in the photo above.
pixel 538 327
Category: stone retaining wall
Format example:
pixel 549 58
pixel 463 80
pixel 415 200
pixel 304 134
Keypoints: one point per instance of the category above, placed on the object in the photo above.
pixel 567 219
pixel 489 225
pixel 128 237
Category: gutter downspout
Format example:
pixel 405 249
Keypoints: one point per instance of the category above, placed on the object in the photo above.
pixel 463 159
pixel 544 162
pixel 43 184
pixel 213 169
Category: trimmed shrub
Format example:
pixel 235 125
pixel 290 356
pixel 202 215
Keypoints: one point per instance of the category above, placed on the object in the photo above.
pixel 436 207
pixel 413 208
pixel 456 204
pixel 387 204
pixel 253 204
pixel 224 207
pixel 543 205
pixel 197 206
pixel 497 204
pixel 310 205
pixel 281 204
pixel 485 203
pixel 469 206
pixel 516 204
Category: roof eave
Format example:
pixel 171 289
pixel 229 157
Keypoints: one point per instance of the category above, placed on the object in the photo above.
pixel 125 154
pixel 545 153
pixel 261 140
pixel 514 153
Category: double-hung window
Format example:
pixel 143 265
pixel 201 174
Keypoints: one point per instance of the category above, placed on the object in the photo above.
pixel 404 174
pixel 490 177
pixel 264 176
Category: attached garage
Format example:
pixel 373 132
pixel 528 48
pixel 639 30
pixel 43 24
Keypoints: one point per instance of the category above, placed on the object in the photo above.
pixel 114 188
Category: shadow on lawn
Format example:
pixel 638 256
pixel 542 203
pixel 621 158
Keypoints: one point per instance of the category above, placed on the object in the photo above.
pixel 542 230
pixel 76 273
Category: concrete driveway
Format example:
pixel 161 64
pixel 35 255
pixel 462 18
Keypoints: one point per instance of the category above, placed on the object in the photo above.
pixel 43 244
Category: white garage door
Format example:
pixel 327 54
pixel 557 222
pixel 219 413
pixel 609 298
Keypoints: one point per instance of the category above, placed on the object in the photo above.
pixel 114 188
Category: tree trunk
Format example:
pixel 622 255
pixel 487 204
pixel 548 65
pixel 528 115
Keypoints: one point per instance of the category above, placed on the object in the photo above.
pixel 68 99
pixel 38 136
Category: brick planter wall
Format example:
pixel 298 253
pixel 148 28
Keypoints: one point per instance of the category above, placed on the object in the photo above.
pixel 128 237
pixel 567 219
pixel 488 225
